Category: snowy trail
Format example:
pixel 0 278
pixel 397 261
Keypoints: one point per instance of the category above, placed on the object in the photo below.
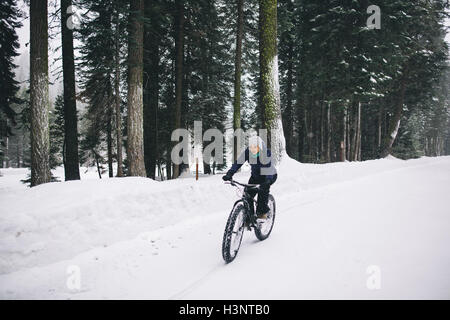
pixel 326 235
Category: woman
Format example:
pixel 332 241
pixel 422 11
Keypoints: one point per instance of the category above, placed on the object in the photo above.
pixel 263 173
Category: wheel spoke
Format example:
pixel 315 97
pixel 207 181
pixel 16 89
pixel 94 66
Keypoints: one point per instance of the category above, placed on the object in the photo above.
pixel 237 235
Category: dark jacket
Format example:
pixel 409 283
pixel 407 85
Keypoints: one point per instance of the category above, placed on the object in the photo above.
pixel 261 166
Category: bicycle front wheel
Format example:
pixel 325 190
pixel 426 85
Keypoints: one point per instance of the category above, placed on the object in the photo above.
pixel 234 231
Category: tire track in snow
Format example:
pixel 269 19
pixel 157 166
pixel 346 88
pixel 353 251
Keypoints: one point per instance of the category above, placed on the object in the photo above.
pixel 197 283
pixel 194 285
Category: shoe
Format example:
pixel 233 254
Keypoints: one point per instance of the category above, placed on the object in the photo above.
pixel 262 216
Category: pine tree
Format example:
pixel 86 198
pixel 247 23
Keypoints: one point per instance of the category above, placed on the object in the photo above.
pixel 19 138
pixel 156 30
pixel 179 58
pixel 135 129
pixel 117 81
pixel 101 70
pixel 350 87
pixel 238 75
pixel 58 145
pixel 98 53
pixel 418 53
pixel 40 167
pixel 287 54
pixel 71 162
pixel 269 85
pixel 9 23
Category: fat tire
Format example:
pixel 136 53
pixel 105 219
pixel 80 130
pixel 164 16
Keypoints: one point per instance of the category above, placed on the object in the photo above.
pixel 238 208
pixel 258 233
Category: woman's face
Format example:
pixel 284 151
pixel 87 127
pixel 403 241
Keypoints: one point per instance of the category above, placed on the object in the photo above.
pixel 254 149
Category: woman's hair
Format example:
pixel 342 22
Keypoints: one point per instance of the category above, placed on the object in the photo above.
pixel 256 141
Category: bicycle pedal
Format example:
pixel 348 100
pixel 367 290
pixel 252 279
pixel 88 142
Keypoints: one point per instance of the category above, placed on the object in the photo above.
pixel 260 221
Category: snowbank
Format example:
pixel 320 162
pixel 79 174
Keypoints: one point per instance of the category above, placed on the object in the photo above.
pixel 57 221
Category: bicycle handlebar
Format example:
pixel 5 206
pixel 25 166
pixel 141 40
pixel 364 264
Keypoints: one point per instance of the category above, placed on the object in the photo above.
pixel 234 182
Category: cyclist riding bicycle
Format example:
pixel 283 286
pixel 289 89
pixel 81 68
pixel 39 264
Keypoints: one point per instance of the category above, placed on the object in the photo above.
pixel 262 172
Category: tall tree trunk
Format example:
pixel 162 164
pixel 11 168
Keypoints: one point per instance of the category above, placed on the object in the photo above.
pixel 301 132
pixel 18 152
pixel 380 125
pixel 354 122
pixel 40 141
pixel 179 46
pixel 358 135
pixel 322 132
pixel 394 121
pixel 6 165
pixel 135 150
pixel 151 97
pixel 329 133
pixel 344 142
pixel 348 146
pixel 308 127
pixel 22 147
pixel 307 152
pixel 160 173
pixel 185 92
pixel 206 165
pixel 117 99
pixel 169 167
pixel 109 140
pixel 237 76
pixel 359 141
pixel 64 153
pixel 289 114
pixel 71 167
pixel 99 171
pixel 288 123
pixel 269 85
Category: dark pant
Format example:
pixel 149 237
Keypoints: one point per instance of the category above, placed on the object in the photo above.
pixel 263 193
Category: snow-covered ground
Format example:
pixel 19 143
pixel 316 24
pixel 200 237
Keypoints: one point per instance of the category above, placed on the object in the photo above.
pixel 370 230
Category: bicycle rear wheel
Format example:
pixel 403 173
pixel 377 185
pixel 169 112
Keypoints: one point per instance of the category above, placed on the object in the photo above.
pixel 234 231
pixel 263 230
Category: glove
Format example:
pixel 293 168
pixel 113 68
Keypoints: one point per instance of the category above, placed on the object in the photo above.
pixel 226 177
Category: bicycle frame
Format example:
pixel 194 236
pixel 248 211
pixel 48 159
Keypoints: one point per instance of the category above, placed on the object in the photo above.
pixel 249 201
pixel 232 237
